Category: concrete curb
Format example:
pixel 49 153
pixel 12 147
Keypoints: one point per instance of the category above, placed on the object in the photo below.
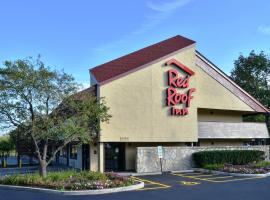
pixel 231 174
pixel 81 192
pixel 18 168
pixel 183 171
pixel 146 174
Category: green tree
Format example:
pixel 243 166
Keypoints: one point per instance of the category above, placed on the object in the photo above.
pixel 23 143
pixel 252 73
pixel 6 147
pixel 45 103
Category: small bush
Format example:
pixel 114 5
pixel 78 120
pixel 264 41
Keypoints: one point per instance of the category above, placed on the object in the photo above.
pixel 235 157
pixel 216 167
pixel 262 164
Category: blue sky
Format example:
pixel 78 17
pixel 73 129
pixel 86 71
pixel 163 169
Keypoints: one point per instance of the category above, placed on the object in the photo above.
pixel 76 35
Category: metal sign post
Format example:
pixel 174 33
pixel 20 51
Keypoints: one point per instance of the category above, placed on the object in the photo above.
pixel 160 156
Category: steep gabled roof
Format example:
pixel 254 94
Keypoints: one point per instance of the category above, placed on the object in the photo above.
pixel 217 74
pixel 88 91
pixel 134 60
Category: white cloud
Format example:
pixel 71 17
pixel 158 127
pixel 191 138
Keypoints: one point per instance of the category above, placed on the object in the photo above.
pixel 166 6
pixel 111 45
pixel 264 30
pixel 159 12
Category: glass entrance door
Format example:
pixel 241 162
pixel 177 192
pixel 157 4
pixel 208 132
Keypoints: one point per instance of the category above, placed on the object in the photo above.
pixel 115 156
pixel 85 157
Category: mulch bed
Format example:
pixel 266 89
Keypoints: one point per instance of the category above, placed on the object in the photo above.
pixel 245 169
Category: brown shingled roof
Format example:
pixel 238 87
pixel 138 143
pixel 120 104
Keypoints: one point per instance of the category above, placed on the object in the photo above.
pixel 88 91
pixel 138 58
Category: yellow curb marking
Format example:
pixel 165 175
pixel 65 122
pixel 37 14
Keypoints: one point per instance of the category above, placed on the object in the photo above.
pixel 161 186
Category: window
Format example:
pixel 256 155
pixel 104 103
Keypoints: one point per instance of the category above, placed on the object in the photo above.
pixel 63 152
pixel 73 150
pixel 196 144
pixel 188 144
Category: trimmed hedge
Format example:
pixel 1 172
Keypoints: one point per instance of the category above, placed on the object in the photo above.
pixel 235 157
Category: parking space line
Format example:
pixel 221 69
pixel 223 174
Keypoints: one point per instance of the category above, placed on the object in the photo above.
pixel 152 182
pixel 203 175
pixel 152 188
pixel 219 177
pixel 160 185
pixel 191 173
pixel 235 179
pixel 214 179
pixel 192 177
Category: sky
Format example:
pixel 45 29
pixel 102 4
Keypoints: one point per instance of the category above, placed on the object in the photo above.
pixel 76 35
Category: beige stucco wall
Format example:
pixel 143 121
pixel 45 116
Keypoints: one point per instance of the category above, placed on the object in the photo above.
pixel 138 107
pixel 137 104
pixel 209 115
pixel 213 95
pixel 93 157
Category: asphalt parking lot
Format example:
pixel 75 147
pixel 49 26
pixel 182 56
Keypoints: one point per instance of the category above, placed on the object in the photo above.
pixel 172 186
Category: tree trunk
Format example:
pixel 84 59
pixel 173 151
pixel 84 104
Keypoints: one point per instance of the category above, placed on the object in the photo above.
pixel 267 117
pixel 18 159
pixel 31 160
pixel 42 168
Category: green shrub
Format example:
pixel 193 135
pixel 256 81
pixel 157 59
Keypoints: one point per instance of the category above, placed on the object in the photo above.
pixel 235 157
pixel 61 175
pixel 213 166
pixel 262 164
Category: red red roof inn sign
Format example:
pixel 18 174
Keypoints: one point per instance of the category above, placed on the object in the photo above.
pixel 178 81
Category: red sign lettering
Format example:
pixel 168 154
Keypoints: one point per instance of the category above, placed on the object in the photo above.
pixel 176 81
pixel 174 98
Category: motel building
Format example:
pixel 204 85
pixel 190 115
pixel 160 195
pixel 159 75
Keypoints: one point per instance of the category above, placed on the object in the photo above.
pixel 170 95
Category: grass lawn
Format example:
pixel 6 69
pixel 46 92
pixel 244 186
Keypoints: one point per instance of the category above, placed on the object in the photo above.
pixel 69 180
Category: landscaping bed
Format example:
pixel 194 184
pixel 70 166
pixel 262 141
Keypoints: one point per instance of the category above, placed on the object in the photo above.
pixel 69 180
pixel 233 161
pixel 256 168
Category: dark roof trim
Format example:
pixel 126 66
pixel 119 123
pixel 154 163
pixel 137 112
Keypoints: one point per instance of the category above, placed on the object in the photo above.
pixel 228 83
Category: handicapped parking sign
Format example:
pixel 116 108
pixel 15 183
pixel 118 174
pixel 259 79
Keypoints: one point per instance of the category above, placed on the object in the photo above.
pixel 160 156
pixel 160 151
